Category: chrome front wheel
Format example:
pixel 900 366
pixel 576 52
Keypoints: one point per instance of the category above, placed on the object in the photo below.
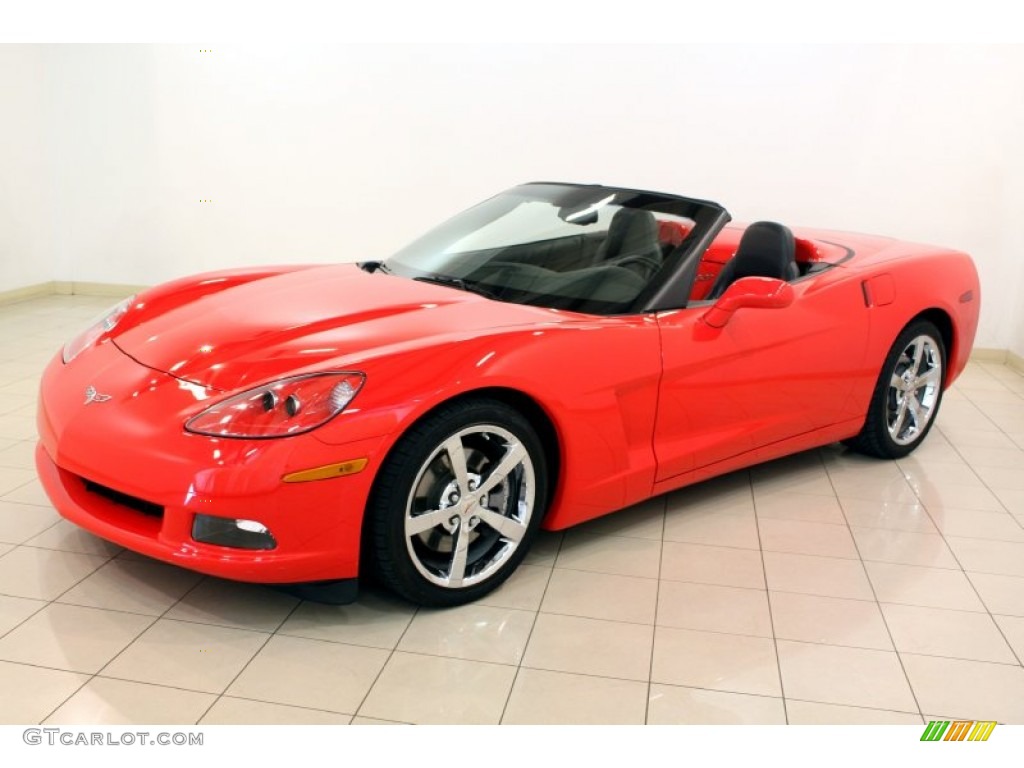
pixel 457 503
pixel 470 506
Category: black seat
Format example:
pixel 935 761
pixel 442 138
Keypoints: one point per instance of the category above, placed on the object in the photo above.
pixel 766 249
pixel 632 243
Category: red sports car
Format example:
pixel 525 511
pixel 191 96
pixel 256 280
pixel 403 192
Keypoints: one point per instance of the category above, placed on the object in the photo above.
pixel 553 354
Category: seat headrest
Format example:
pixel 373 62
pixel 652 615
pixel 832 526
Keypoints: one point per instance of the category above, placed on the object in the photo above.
pixel 630 231
pixel 768 243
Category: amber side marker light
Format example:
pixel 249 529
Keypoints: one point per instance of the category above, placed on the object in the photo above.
pixel 326 472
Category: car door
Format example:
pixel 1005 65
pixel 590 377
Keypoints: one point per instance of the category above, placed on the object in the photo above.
pixel 765 376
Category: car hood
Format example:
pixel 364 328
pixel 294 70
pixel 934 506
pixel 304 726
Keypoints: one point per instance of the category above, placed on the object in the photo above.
pixel 337 316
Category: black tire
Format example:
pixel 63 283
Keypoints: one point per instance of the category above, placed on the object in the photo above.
pixel 884 434
pixel 419 481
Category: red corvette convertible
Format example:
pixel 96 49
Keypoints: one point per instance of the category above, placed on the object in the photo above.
pixel 551 355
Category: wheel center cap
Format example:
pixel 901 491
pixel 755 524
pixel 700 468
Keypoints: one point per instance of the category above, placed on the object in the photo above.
pixel 458 501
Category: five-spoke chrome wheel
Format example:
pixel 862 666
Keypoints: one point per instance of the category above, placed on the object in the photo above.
pixel 470 506
pixel 457 502
pixel 914 388
pixel 907 394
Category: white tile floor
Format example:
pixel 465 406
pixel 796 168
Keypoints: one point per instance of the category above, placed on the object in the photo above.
pixel 822 588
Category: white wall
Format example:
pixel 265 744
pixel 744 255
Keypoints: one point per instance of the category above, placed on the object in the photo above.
pixel 26 230
pixel 347 152
pixel 1010 268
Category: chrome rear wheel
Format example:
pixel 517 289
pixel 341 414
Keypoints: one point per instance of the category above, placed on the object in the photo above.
pixel 914 388
pixel 907 395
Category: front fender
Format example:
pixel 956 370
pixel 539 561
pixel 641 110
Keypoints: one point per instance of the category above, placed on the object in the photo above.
pixel 596 380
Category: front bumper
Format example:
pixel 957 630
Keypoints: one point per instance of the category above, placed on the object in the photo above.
pixel 135 445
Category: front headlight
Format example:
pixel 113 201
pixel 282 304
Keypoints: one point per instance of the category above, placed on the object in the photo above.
pixel 281 408
pixel 101 326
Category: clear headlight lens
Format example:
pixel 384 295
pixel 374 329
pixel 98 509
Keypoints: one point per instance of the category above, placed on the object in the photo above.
pixel 99 328
pixel 281 408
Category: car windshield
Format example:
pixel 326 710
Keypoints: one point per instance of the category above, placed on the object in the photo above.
pixel 590 249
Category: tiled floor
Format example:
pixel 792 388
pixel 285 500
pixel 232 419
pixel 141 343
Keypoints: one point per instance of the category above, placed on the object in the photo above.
pixel 822 588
